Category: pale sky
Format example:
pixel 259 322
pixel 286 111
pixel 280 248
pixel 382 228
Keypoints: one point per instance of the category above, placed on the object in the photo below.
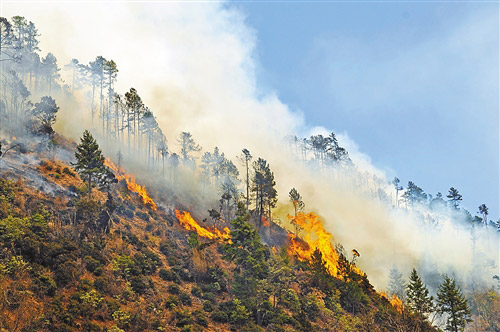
pixel 414 84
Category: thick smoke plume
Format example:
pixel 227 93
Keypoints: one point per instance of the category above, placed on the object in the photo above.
pixel 194 66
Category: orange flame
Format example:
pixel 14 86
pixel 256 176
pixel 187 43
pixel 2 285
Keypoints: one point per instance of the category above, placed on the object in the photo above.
pixel 265 222
pixel 131 184
pixel 190 224
pixel 316 237
pixel 394 301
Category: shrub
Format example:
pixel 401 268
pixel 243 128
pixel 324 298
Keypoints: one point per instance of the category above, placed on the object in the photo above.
pixel 142 215
pixel 146 262
pixel 67 171
pixel 183 318
pixel 209 296
pixel 219 316
pixel 45 285
pixel 121 318
pixel 183 273
pixel 200 318
pixel 171 302
pixel 196 291
pixel 185 299
pixel 169 275
pixel 128 213
pixel 101 284
pixel 208 306
pixel 139 284
pixel 65 273
pixel 174 289
pixel 91 264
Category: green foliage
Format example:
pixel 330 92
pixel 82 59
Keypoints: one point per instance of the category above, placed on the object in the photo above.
pixel 290 299
pixel 171 301
pixel 352 297
pixel 45 285
pixel 451 301
pixel 174 289
pixel 183 317
pixel 418 297
pixel 90 163
pixel 121 318
pixel 240 314
pixel 185 299
pixel 219 316
pixel 263 184
pixel 169 275
pixel 246 249
pixel 196 291
pixel 208 306
pixel 140 284
pixel 200 318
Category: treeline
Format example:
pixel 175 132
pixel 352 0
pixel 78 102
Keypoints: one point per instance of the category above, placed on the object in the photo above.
pixel 414 196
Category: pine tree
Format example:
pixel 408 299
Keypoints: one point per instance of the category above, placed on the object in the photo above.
pixel 188 145
pixel 418 297
pixel 263 184
pixel 452 302
pixel 398 188
pixel 90 163
pixel 454 197
pixel 245 158
pixel 483 209
pixel 298 206
pixel 396 283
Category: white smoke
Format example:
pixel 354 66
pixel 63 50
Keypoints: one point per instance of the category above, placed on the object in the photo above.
pixel 194 66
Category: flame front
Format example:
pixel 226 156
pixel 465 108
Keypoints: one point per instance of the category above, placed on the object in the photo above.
pixel 316 237
pixel 131 184
pixel 394 301
pixel 190 224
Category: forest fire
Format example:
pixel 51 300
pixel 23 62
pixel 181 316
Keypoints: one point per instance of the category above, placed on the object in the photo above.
pixel 187 221
pixel 394 301
pixel 316 237
pixel 131 184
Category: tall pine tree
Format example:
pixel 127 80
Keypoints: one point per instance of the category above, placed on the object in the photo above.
pixel 452 302
pixel 418 297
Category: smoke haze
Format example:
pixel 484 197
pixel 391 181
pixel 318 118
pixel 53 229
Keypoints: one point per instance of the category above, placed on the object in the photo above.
pixel 194 66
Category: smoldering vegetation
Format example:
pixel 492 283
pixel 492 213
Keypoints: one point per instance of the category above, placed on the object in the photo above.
pixel 387 223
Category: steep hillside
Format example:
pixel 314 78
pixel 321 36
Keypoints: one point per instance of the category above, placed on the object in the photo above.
pixel 112 263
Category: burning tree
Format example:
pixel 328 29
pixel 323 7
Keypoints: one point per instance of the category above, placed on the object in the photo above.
pixel 90 163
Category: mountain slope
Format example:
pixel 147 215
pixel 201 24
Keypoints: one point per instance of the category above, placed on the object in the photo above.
pixel 62 270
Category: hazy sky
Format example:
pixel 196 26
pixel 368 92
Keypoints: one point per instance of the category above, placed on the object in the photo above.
pixel 416 85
